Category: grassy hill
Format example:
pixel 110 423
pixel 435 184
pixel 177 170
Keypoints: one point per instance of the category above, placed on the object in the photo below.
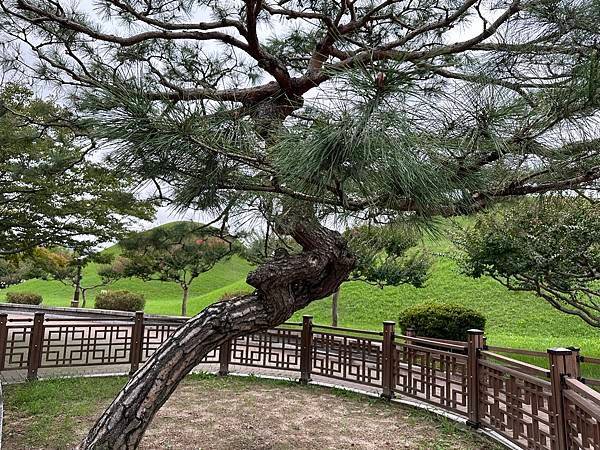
pixel 161 297
pixel 513 318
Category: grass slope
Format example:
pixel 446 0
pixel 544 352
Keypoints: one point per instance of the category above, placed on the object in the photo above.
pixel 161 297
pixel 514 319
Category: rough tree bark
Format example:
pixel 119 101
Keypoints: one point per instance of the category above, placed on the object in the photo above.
pixel 283 285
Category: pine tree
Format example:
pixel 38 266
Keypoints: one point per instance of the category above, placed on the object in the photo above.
pixel 314 111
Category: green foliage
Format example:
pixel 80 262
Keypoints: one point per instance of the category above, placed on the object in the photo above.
pixel 15 269
pixel 67 266
pixel 262 247
pixel 549 246
pixel 24 298
pixel 120 301
pixel 366 150
pixel 180 252
pixel 442 321
pixel 383 255
pixel 42 158
pixel 386 254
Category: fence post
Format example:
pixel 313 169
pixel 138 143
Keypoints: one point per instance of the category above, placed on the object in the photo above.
pixel 224 357
pixel 475 343
pixel 3 339
pixel 576 360
pixel 137 341
pixel 387 377
pixel 306 339
pixel 408 353
pixel 562 362
pixel 34 358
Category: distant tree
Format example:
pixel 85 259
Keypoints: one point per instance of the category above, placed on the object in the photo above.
pixel 51 192
pixel 67 266
pixel 15 269
pixel 178 252
pixel 549 246
pixel 386 255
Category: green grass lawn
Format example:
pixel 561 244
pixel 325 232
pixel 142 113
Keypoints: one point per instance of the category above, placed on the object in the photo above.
pixel 514 319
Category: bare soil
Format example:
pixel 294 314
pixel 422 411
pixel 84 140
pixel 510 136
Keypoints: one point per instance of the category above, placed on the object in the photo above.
pixel 240 414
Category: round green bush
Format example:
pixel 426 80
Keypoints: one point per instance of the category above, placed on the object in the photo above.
pixel 120 301
pixel 24 298
pixel 441 321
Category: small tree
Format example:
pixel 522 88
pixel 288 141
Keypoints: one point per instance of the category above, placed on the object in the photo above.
pixel 67 266
pixel 549 246
pixel 178 252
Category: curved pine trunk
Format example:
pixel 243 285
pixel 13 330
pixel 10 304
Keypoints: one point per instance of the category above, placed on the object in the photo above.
pixel 283 286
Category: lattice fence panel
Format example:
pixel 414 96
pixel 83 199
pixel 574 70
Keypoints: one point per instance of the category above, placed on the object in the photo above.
pixel 273 349
pixel 582 419
pixel 516 405
pixel 17 346
pixel 154 336
pixel 347 358
pixel 84 344
pixel 434 376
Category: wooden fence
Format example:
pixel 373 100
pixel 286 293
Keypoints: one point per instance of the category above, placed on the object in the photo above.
pixel 550 408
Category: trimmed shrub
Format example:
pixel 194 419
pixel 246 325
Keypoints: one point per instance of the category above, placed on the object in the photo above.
pixel 441 321
pixel 24 298
pixel 120 301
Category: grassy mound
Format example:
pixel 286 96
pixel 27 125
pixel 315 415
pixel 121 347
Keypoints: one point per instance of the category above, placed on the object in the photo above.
pixel 514 319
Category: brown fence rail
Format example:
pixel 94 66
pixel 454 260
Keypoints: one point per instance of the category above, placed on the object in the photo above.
pixel 534 407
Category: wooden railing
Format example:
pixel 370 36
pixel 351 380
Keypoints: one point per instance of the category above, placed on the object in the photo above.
pixel 534 407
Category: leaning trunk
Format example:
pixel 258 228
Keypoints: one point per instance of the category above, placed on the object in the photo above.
pixel 184 301
pixel 283 286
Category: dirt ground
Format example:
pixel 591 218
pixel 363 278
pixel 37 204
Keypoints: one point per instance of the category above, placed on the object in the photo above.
pixel 242 414
pixel 265 416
